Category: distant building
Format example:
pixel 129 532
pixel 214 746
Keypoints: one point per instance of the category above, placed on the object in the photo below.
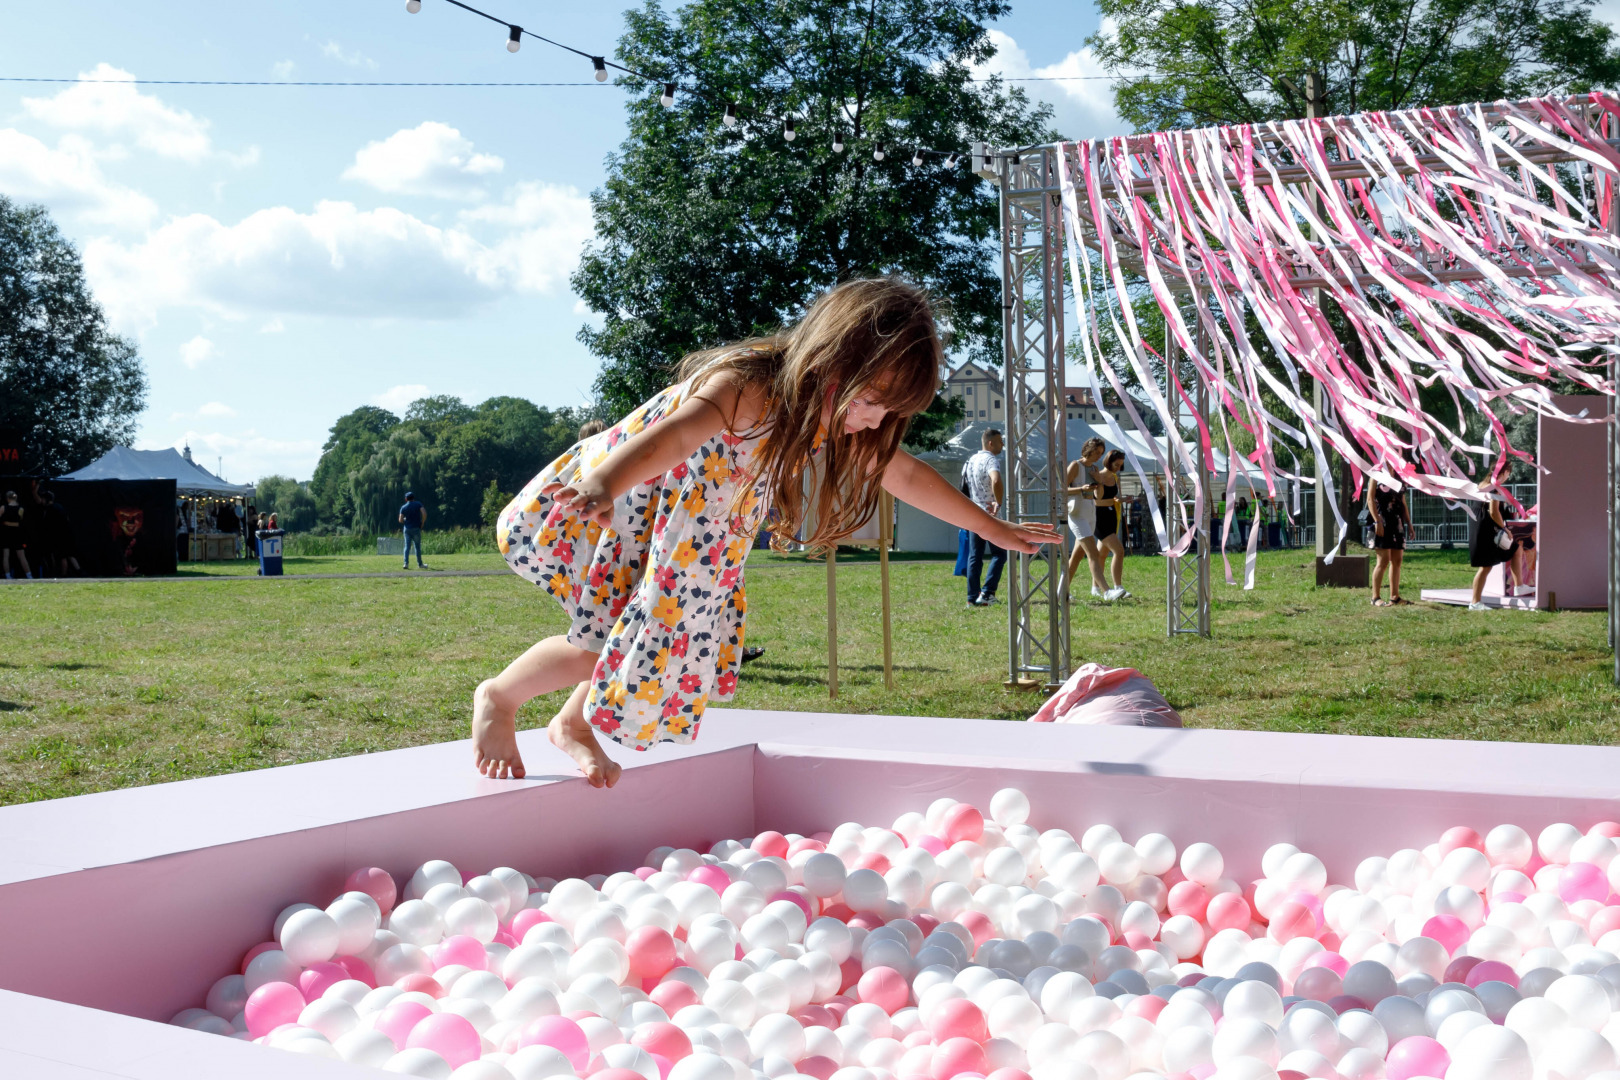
pixel 1079 405
pixel 978 388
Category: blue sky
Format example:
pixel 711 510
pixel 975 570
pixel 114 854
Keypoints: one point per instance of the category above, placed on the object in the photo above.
pixel 284 254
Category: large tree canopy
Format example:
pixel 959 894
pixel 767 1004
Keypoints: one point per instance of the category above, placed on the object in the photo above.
pixel 1184 64
pixel 708 233
pixel 69 388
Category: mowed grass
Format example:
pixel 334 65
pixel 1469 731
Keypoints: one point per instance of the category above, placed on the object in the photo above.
pixel 138 682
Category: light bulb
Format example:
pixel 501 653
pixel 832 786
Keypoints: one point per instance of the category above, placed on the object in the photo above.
pixel 838 144
pixel 514 38
pixel 916 159
pixel 950 162
pixel 787 131
pixel 877 152
pixel 667 98
pixel 731 115
pixel 601 68
pixel 413 6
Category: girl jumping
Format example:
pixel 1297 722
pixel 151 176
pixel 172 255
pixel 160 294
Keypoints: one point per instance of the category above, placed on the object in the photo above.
pixel 641 531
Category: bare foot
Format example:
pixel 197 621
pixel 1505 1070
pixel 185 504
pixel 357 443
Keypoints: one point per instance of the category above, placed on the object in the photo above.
pixel 494 737
pixel 574 737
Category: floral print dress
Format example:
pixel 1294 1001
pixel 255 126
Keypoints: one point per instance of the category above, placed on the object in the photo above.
pixel 660 594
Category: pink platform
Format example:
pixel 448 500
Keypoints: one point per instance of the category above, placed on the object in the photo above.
pixel 168 885
pixel 1573 540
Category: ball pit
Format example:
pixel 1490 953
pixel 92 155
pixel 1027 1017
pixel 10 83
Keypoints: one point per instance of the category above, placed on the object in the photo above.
pixel 962 942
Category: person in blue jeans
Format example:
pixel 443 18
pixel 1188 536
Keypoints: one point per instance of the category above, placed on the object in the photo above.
pixel 982 478
pixel 413 515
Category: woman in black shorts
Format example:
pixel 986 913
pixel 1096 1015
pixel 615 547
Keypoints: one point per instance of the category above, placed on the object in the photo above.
pixel 1108 504
pixel 13 528
pixel 1485 548
pixel 1391 523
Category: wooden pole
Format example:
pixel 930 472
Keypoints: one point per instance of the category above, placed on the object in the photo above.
pixel 885 538
pixel 832 621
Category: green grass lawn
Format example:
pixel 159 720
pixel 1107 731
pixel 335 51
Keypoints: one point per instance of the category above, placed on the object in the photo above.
pixel 107 685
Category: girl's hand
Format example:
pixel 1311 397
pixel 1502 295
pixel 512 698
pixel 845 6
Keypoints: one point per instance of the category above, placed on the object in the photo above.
pixel 1026 538
pixel 589 498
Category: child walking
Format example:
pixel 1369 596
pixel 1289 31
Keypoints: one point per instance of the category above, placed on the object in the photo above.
pixel 640 532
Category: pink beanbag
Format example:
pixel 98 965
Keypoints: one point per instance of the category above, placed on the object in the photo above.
pixel 1099 695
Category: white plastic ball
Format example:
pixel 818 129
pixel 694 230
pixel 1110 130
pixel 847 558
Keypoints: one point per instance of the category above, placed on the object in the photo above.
pixel 1491 1053
pixel 1584 1000
pixel 418 1062
pixel 366 1047
pixel 1509 845
pixel 472 917
pixel 1004 866
pixel 1009 806
pixel 1098 837
pixel 1202 863
pixel 1158 853
pixel 1244 1037
pixel 1557 841
pixel 272 965
pixel 823 874
pixel 358 918
pixel 431 873
pixel 417 922
pixel 1119 862
pixel 309 937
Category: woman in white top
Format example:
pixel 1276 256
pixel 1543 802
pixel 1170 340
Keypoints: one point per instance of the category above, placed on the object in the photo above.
pixel 1083 515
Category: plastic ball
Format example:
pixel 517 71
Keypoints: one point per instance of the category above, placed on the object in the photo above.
pixel 418 1061
pixel 272 1005
pixel 1491 1053
pixel 1009 806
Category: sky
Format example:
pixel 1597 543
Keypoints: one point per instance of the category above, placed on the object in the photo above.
pixel 284 254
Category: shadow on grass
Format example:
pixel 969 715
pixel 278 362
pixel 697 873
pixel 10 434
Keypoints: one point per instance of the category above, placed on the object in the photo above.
pixel 11 706
pixel 72 665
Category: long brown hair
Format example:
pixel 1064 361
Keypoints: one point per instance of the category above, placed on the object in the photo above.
pixel 873 338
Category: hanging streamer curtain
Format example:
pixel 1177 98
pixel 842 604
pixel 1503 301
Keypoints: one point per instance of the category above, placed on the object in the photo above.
pixel 1467 247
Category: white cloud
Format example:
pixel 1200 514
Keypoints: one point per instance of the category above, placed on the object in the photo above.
pixel 353 58
pixel 196 352
pixel 247 455
pixel 114 106
pixel 274 326
pixel 396 399
pixel 68 179
pixel 429 159
pixel 216 408
pixel 339 260
pixel 283 69
pixel 1084 106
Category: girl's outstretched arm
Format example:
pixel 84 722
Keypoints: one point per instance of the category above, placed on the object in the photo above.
pixel 910 481
pixel 658 448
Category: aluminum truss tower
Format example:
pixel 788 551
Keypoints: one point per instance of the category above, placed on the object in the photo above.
pixel 1037 440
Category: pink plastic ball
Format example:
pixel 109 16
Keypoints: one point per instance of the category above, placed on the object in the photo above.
pixel 450 1036
pixel 272 1005
pixel 1460 836
pixel 931 843
pixel 527 920
pixel 644 872
pixel 1291 919
pixel 617 1074
pixel 1417 1055
pixel 317 977
pixel 794 898
pixel 461 949
pixel 358 969
pixel 956 1056
pixel 652 951
pixel 1330 960
pixel 1008 1074
pixel 979 925
pixel 1448 930
pixel 1459 969
pixel 664 1039
pixel 1319 984
pixel 1492 971
pixel 819 1066
pixel 1582 881
pixel 1228 911
pixel 673 996
pixel 1611 829
pixel 375 883
pixel 1188 898
pixel 417 983
pixel 1148 1007
pixel 873 860
pixel 884 987
pixel 1312 903
pixel 712 876
pixel 770 843
pixel 1604 921
pixel 560 1033
pixel 400 1018
pixel 958 1018
pixel 805 844
pixel 962 822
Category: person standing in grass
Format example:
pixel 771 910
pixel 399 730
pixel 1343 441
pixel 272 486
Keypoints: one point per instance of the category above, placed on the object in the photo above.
pixel 1486 550
pixel 1391 522
pixel 412 517
pixel 982 474
pixel 1082 515
pixel 641 532
pixel 1108 509
pixel 13 524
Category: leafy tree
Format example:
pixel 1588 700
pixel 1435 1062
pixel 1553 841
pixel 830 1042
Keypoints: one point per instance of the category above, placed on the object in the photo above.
pixel 293 503
pixel 933 428
pixel 406 461
pixel 495 501
pixel 439 409
pixel 348 446
pixel 69 388
pixel 708 233
pixel 1183 64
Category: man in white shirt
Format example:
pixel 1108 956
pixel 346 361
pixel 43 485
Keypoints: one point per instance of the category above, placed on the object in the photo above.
pixel 982 476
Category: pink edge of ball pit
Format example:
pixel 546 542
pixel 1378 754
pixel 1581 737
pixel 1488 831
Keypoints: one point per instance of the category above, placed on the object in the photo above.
pixel 884 987
pixel 376 883
pixel 271 1006
pixel 562 1035
pixel 1492 971
pixel 398 1019
pixel 1448 930
pixel 1417 1055
pixel 527 920
pixel 450 1036
pixel 662 1039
